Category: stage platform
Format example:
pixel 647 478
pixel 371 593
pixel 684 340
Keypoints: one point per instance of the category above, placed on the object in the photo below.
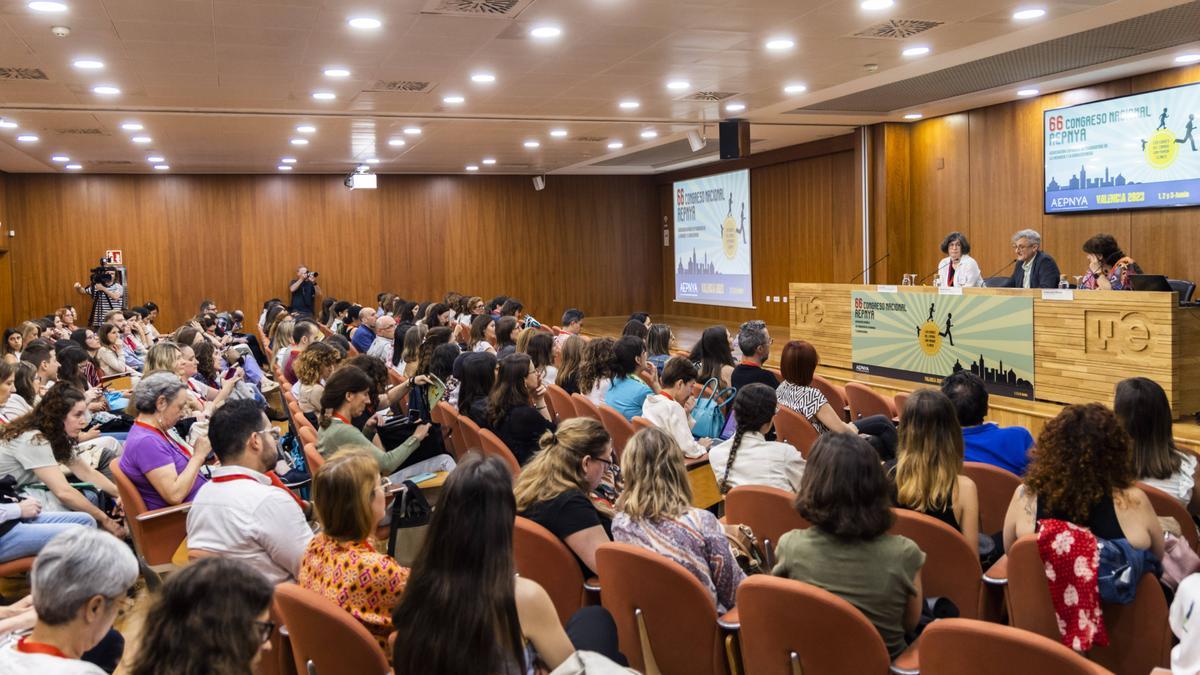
pixel 1032 415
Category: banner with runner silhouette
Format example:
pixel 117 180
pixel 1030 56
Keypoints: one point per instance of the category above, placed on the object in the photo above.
pixel 712 240
pixel 924 337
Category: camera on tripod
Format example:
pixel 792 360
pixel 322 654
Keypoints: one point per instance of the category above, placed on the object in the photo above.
pixel 103 274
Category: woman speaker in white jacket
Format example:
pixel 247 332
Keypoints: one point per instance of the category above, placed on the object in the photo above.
pixel 958 268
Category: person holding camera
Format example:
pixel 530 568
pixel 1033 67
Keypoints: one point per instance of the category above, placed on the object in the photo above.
pixel 105 292
pixel 304 290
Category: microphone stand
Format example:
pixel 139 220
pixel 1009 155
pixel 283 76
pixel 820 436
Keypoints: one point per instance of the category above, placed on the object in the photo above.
pixel 870 267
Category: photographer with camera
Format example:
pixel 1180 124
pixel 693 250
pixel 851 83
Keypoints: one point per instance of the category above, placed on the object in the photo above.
pixel 105 292
pixel 304 290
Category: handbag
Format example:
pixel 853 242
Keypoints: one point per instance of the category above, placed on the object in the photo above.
pixel 708 413
pixel 745 548
pixel 409 509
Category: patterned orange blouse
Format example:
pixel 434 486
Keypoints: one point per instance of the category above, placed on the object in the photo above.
pixel 361 580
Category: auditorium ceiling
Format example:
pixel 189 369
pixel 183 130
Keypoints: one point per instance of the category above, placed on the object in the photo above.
pixel 438 86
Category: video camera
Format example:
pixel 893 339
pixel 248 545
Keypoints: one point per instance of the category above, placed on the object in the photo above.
pixel 103 274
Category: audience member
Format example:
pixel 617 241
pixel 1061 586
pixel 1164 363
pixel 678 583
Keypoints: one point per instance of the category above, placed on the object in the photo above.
pixel 12 345
pixel 763 462
pixel 483 334
pixel 24 390
pixel 407 358
pixel 161 465
pixel 478 378
pixel 469 308
pixel 848 551
pixel 553 488
pixel 1006 447
pixel 637 329
pixel 364 335
pixel 439 316
pixel 655 512
pixel 505 341
pixel 385 339
pixel 1142 407
pixel 570 360
pixel 314 366
pixel 669 409
pixel 25 528
pixel 45 365
pixel 111 353
pixel 631 372
pixel 641 317
pixel 347 393
pixel 713 355
pixel 517 411
pixel 596 371
pixel 572 325
pixel 339 563
pixel 512 307
pixel 659 344
pixel 755 342
pixel 541 351
pixel 465 610
pixel 8 387
pixel 304 333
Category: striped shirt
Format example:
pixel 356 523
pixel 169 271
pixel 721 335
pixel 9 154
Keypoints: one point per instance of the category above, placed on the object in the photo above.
pixel 804 400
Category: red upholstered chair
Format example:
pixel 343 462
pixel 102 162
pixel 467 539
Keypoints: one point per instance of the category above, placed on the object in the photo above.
pixel 1167 506
pixel 658 604
pixel 954 646
pixel 899 400
pixel 996 487
pixel 585 408
pixel 1139 638
pixel 445 415
pixel 543 557
pixel 17 567
pixel 491 444
pixel 564 408
pixel 470 431
pixel 951 564
pixel 835 394
pixel 640 423
pixel 156 534
pixel 793 428
pixel 325 637
pixel 617 426
pixel 789 627
pixel 768 511
pixel 313 457
pixel 864 402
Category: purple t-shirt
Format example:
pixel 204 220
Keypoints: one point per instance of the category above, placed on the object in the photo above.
pixel 145 451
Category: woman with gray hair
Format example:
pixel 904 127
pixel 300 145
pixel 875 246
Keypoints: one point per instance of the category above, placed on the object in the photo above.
pixel 77 580
pixel 164 468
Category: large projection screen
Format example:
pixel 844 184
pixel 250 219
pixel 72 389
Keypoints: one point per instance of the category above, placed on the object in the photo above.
pixel 712 240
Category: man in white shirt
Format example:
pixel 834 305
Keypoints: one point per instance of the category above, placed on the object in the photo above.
pixel 572 324
pixel 669 409
pixel 385 332
pixel 241 513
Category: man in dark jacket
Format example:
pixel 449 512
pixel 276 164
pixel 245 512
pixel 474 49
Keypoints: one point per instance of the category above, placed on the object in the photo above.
pixel 1035 269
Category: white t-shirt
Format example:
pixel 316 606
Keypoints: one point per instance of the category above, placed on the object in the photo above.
pixel 668 415
pixel 13 662
pixel 759 462
pixel 1181 483
pixel 19 457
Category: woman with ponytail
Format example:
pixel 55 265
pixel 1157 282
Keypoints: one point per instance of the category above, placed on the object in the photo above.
pixel 553 488
pixel 346 395
pixel 749 458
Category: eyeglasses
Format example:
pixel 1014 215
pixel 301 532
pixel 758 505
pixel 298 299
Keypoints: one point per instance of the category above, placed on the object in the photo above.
pixel 1022 247
pixel 265 629
pixel 610 466
pixel 274 433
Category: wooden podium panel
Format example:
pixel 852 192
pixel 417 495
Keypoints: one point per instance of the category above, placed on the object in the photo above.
pixel 1082 347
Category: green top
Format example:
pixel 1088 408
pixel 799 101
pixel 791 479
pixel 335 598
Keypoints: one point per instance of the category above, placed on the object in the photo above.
pixel 340 435
pixel 875 576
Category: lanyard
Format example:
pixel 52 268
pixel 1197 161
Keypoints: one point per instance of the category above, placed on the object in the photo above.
pixel 275 481
pixel 29 647
pixel 182 447
pixel 664 393
pixel 748 362
pixel 341 419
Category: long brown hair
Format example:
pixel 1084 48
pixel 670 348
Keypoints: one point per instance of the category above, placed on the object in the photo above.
pixel 931 452
pixel 1082 458
pixel 570 358
pixel 510 390
pixel 598 363
pixel 47 419
pixel 1142 407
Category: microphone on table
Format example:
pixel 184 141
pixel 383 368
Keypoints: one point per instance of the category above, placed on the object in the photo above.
pixel 937 271
pixel 868 268
pixel 1006 266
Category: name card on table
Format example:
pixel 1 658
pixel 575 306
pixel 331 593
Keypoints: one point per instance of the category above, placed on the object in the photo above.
pixel 1058 294
pixel 886 289
pixel 950 290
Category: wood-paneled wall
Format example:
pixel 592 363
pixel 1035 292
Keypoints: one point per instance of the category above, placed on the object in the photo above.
pixel 588 241
pixel 804 225
pixel 980 172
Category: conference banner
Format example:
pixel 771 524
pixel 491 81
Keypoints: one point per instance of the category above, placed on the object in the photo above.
pixel 924 337
pixel 712 240
pixel 1140 151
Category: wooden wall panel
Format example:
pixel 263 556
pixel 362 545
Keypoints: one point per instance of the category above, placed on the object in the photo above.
pixel 7 317
pixel 237 239
pixel 940 195
pixel 890 227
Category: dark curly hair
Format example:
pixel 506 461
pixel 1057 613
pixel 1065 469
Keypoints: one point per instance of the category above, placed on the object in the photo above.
pixel 48 418
pixel 1082 456
pixel 844 490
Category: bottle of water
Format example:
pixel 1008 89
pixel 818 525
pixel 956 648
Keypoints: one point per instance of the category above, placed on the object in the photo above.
pixel 1062 281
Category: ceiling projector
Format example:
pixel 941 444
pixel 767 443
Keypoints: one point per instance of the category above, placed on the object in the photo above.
pixel 360 179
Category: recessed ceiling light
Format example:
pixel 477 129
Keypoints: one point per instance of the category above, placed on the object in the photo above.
pixel 73 167
pixel 453 99
pixel 155 159
pixel 777 44
pixel 546 32
pixel 916 51
pixel 1187 58
pixel 105 90
pixel 7 124
pixel 131 126
pixel 679 85
pixel 324 95
pixel 364 22
pixel 306 129
pixel 161 167
pixel 616 145
pixel 412 131
pixel 735 107
pixel 39 6
pixel 27 138
pixel 913 116
pixel 60 158
pixel 284 167
pixel 483 78
pixel 288 160
pixel 397 142
pixel 373 160
pixel 337 72
pixel 532 144
pixel 140 139
pixel 299 141
pixel 872 5
pixel 1027 14
pixel 558 133
pixel 1027 92
pixel 472 167
pixel 649 133
pixel 629 105
pixel 489 161
pixel 88 64
pixel 795 88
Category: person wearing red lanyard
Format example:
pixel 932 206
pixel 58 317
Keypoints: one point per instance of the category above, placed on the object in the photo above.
pixel 242 513
pixel 165 470
pixel 78 580
pixel 755 343
pixel 669 408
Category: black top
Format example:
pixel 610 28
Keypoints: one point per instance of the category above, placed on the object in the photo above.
pixel 1043 274
pixel 1102 520
pixel 520 430
pixel 744 374
pixel 567 514
pixel 946 514
pixel 303 296
pixel 569 383
pixel 477 411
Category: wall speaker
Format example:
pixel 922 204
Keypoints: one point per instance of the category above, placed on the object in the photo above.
pixel 735 139
pixel 696 141
pixel 539 183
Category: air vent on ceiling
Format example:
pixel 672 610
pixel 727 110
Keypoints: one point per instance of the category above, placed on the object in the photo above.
pixel 22 74
pixel 80 131
pixel 402 86
pixel 708 96
pixel 589 139
pixel 112 162
pixel 489 8
pixel 897 29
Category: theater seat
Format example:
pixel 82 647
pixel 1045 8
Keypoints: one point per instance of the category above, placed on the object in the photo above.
pixel 1167 506
pixel 995 487
pixel 617 427
pixel 865 402
pixel 543 557
pixel 951 568
pixel 640 423
pixel 470 431
pixel 156 534
pixel 491 444
pixel 1184 288
pixel 564 408
pixel 585 408
pixel 834 394
pixel 795 429
pixel 767 510
pixel 325 638
pixel 954 646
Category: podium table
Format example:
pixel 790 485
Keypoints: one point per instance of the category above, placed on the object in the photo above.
pixel 1084 342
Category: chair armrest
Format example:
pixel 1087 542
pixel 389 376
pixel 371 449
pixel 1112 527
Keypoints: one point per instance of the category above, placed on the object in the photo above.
pixel 909 661
pixel 730 620
pixel 592 584
pixel 293 486
pixel 997 574
pixel 163 512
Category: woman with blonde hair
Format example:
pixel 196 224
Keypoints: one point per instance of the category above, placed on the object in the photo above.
pixel 553 488
pixel 339 563
pixel 655 512
pixel 930 461
pixel 313 367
